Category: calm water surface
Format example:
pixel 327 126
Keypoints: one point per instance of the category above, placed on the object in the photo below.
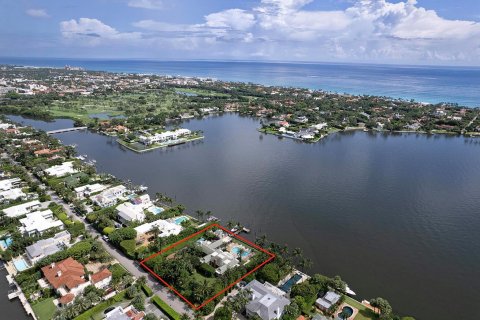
pixel 395 215
pixel 11 310
pixel 423 83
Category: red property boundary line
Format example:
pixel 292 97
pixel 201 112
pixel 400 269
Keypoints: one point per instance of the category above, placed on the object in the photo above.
pixel 271 257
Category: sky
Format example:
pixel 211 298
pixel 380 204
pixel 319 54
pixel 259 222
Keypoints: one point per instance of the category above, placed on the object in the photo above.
pixel 440 32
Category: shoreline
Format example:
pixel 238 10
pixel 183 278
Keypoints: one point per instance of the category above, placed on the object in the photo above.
pixel 125 144
pixel 103 68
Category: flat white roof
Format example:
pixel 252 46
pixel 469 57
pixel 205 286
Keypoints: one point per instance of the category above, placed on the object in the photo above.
pixel 21 209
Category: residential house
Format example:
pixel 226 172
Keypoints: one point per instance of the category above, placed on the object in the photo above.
pixel 46 247
pixel 36 223
pixel 328 300
pixel 67 277
pixel 12 194
pixel 109 197
pixel 101 279
pixel 61 170
pixel 9 184
pixel 215 255
pixel 128 313
pixel 89 189
pixel 46 152
pixel 265 301
pixel 164 136
pixel 21 209
pixel 128 212
pixel 166 229
pixel 301 119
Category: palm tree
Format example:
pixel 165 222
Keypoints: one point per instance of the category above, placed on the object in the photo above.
pixel 208 214
pixel 200 214
pixel 155 231
pixel 297 252
pixel 305 263
pixel 230 224
pixel 262 240
pixel 241 252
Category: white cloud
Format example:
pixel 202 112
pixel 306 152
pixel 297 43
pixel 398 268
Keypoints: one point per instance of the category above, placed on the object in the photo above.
pixel 146 4
pixel 37 13
pixel 368 30
pixel 93 31
pixel 235 19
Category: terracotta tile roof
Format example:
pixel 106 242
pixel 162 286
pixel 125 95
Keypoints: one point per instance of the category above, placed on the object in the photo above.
pixel 101 275
pixel 135 315
pixel 66 299
pixel 46 151
pixel 68 273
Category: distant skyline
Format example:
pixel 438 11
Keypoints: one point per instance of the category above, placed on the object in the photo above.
pixel 440 32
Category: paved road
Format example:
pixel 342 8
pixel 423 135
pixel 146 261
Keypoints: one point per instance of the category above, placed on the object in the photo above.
pixel 132 266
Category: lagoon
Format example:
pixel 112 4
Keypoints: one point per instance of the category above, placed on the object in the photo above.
pixel 396 215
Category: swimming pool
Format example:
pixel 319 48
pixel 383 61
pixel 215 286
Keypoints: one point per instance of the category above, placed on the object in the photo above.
pixel 20 265
pixel 6 243
pixel 181 219
pixel 287 286
pixel 346 312
pixel 236 250
pixel 156 210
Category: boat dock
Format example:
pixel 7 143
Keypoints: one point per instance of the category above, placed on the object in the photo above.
pixel 66 130
pixel 16 292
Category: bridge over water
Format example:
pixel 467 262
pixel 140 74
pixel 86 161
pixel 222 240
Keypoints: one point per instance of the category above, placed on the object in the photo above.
pixel 66 130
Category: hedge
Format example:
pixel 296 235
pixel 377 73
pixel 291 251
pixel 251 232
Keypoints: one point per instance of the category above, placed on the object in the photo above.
pixel 165 308
pixel 108 230
pixel 128 247
pixel 207 270
pixel 148 291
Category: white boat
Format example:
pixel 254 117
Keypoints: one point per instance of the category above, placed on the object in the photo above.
pixel 350 291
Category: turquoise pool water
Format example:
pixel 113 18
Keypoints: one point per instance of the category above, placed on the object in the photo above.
pixel 20 265
pixel 179 220
pixel 7 242
pixel 156 210
pixel 236 250
pixel 290 282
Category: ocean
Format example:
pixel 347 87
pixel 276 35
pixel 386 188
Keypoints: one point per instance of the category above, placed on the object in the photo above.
pixel 430 84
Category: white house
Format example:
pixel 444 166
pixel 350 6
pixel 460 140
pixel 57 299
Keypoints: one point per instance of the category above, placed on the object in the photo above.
pixel 164 136
pixel 329 299
pixel 89 189
pixel 61 170
pixel 128 212
pixel 109 197
pixel 221 259
pixel 265 301
pixel 21 209
pixel 12 194
pixel 166 228
pixel 38 222
pixel 8 184
pixel 319 126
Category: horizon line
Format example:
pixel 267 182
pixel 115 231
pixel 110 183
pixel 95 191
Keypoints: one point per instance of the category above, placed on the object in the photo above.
pixel 252 61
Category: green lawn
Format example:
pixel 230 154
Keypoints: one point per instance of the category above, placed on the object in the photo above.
pixel 364 313
pixel 45 309
pixel 200 278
